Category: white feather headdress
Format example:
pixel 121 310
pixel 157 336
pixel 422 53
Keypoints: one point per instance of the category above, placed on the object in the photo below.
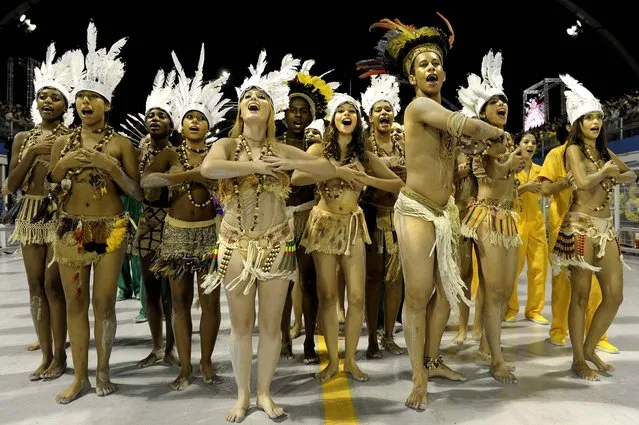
pixel 314 89
pixel 274 84
pixel 103 70
pixel 161 95
pixel 318 125
pixel 579 100
pixel 194 95
pixel 338 99
pixel 481 89
pixel 58 75
pixel 382 87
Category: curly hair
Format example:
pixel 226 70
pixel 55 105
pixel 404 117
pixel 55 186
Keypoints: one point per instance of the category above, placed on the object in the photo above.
pixel 356 147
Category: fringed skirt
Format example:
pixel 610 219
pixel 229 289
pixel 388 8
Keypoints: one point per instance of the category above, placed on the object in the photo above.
pixel 84 240
pixel 387 244
pixel 502 222
pixel 186 247
pixel 569 248
pixel 298 218
pixel 332 233
pixel 259 255
pixel 37 233
pixel 150 229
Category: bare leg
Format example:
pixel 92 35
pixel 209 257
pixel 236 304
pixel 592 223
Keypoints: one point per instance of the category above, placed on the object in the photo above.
pixel 478 319
pixel 307 280
pixel 285 325
pixel 416 237
pixel 58 316
pixel 182 297
pixel 209 327
pixel 465 249
pixel 105 288
pixel 271 296
pixel 354 268
pixel 341 292
pixel 374 282
pixel 296 330
pixel 392 299
pixel 153 308
pixel 76 294
pixel 327 291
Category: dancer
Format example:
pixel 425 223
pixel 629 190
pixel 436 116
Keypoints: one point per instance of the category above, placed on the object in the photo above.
pixel 587 242
pixel 256 248
pixel 30 157
pixel 425 216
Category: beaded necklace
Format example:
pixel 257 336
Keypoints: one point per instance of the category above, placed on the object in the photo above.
pixel 396 148
pixel 304 142
pixel 607 183
pixel 149 153
pixel 184 160
pixel 35 136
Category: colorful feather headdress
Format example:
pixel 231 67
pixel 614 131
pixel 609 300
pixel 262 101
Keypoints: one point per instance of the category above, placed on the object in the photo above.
pixel 194 95
pixel 314 89
pixel 161 95
pixel 58 75
pixel 481 89
pixel 338 99
pixel 397 50
pixel 274 84
pixel 382 87
pixel 103 70
pixel 579 100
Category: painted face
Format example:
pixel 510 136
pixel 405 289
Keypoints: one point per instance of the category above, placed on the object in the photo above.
pixel 195 126
pixel 91 106
pixel 528 145
pixel 51 104
pixel 345 118
pixel 312 135
pixel 397 132
pixel 496 111
pixel 382 116
pixel 158 123
pixel 298 115
pixel 255 105
pixel 428 73
pixel 591 124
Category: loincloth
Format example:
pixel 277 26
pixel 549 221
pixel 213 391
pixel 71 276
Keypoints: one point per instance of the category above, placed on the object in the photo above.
pixel 36 233
pixel 258 255
pixel 186 247
pixel 84 240
pixel 298 217
pixel 386 238
pixel 333 234
pixel 502 222
pixel 150 228
pixel 446 222
pixel 569 247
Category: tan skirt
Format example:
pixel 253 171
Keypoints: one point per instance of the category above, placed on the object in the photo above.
pixel 387 244
pixel 26 232
pixel 502 222
pixel 332 233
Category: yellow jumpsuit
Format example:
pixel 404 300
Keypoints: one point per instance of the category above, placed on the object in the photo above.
pixel 554 169
pixel 532 230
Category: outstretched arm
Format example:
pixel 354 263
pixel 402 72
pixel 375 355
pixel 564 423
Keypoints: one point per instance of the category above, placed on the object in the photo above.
pixel 307 162
pixel 217 164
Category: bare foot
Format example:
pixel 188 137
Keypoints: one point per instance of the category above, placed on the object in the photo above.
pixel 599 364
pixel 237 413
pixel 74 391
pixel 418 397
pixel 341 316
pixel 443 371
pixel 388 344
pixel 486 359
pixel 270 408
pixel 328 372
pixel 286 352
pixel 582 370
pixel 460 337
pixel 36 375
pixel 34 346
pixel 477 335
pixel 310 356
pixel 151 359
pixel 208 373
pixel 103 384
pixel 373 351
pixel 503 373
pixel 181 382
pixel 171 358
pixel 352 368
pixel 55 370
pixel 296 330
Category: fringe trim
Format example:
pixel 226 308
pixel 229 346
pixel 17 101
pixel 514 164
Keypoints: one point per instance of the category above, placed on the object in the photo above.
pixel 33 233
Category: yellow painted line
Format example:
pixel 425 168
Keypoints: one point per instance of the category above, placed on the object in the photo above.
pixel 336 393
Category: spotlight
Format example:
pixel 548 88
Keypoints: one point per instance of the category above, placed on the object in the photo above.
pixel 572 31
pixel 31 27
pixel 22 17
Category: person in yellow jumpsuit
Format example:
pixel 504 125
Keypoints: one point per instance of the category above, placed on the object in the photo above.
pixel 557 183
pixel 532 230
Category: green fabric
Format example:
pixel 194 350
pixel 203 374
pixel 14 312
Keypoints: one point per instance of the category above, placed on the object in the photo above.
pixel 130 278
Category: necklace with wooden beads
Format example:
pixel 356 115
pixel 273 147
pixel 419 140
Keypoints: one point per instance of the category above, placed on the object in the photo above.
pixel 267 150
pixel 184 160
pixel 149 153
pixel 607 183
pixel 304 142
pixel 396 148
pixel 35 136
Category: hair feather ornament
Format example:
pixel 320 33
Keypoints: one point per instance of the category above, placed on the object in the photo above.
pixel 58 75
pixel 314 89
pixel 161 95
pixel 479 90
pixel 339 99
pixel 274 84
pixel 382 87
pixel 579 100
pixel 194 95
pixel 103 70
pixel 401 43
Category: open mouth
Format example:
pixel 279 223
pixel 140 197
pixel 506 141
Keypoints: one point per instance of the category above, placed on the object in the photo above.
pixel 47 108
pixel 86 111
pixel 530 150
pixel 347 121
pixel 594 129
pixel 194 128
pixel 384 120
pixel 502 113
pixel 432 78
pixel 254 107
pixel 154 126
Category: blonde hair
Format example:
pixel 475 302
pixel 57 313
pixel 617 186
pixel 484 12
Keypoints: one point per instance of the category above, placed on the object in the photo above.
pixel 238 125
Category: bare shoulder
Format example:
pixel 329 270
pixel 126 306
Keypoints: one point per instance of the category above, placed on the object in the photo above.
pixel 316 149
